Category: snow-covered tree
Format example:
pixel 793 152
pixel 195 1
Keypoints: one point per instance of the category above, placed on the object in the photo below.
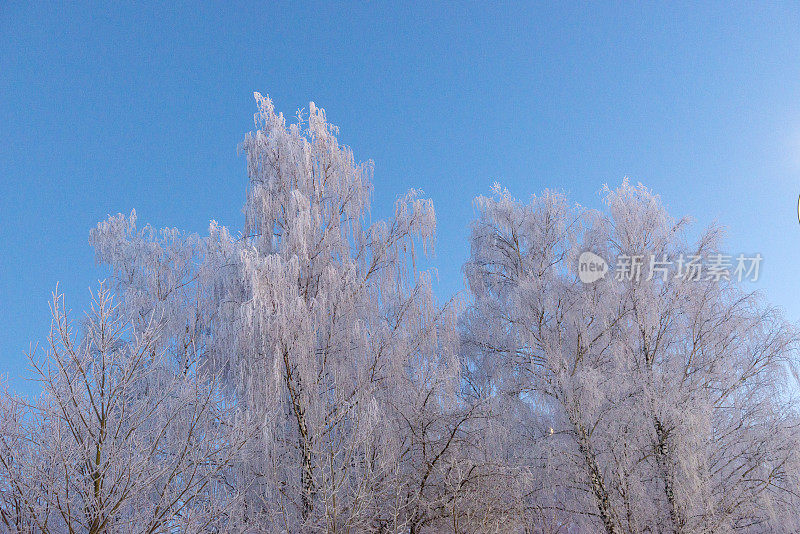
pixel 118 442
pixel 321 325
pixel 656 403
pixel 300 376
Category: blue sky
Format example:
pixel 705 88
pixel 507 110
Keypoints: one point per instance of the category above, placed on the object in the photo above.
pixel 104 110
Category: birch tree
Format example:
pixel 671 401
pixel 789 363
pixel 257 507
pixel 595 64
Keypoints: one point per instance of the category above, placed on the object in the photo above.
pixel 322 325
pixel 117 442
pixel 650 404
pixel 299 374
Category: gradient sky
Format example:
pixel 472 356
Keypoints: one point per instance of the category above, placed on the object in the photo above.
pixel 106 110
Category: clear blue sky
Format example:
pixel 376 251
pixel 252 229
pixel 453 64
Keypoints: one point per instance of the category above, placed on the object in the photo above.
pixel 108 109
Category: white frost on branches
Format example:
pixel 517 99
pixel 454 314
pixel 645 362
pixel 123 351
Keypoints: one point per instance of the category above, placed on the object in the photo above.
pixel 300 376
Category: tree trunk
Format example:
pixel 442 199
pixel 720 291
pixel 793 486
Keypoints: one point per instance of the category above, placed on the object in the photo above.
pixel 596 481
pixel 662 451
pixel 308 488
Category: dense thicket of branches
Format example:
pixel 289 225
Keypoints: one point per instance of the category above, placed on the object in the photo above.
pixel 301 377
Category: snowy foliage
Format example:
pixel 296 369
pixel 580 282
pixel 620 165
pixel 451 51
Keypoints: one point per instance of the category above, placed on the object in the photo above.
pixel 647 405
pixel 118 442
pixel 300 376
